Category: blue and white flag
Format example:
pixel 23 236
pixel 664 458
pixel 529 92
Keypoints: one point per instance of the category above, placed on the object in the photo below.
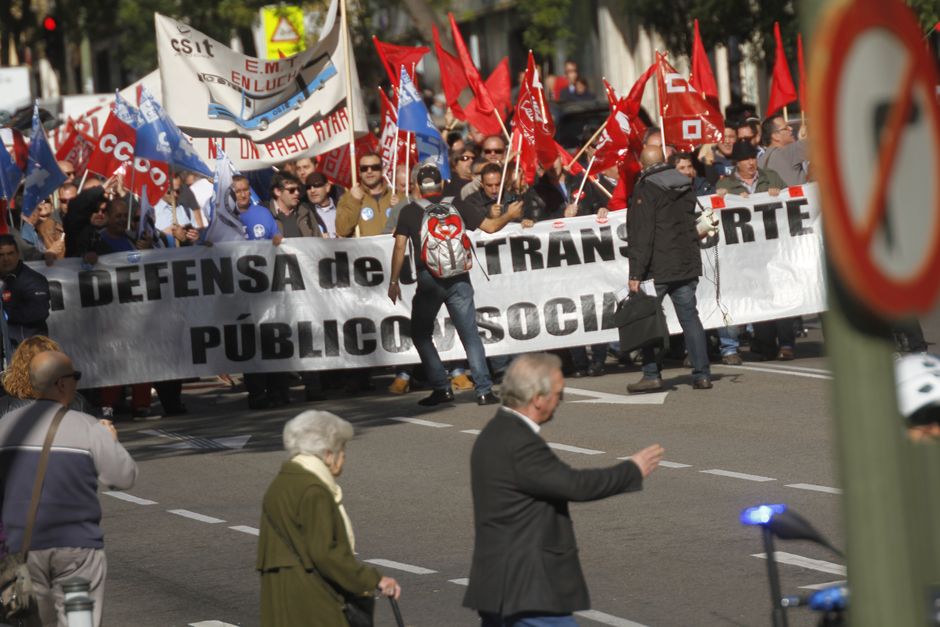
pixel 413 117
pixel 43 175
pixel 10 174
pixel 159 139
pixel 126 113
pixel 224 225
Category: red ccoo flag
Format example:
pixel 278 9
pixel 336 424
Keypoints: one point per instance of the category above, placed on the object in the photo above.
pixel 702 78
pixel 688 120
pixel 782 90
pixel 395 57
pixel 533 122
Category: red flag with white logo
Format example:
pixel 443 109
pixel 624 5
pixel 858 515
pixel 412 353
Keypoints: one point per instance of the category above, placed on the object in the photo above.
pixel 76 148
pixel 115 149
pixel 533 122
pixel 688 119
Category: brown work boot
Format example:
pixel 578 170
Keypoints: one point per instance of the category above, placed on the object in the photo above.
pixel 731 360
pixel 785 354
pixel 645 385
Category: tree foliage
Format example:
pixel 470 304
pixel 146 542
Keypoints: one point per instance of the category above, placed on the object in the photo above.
pixel 547 27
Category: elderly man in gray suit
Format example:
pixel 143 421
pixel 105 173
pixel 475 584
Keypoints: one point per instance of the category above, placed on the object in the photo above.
pixel 525 570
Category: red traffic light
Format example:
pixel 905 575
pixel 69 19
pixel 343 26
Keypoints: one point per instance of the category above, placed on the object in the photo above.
pixel 49 23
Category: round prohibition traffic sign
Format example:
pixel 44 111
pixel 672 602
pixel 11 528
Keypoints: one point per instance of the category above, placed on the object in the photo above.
pixel 876 152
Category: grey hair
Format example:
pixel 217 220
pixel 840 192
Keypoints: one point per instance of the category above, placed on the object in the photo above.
pixel 316 433
pixel 528 376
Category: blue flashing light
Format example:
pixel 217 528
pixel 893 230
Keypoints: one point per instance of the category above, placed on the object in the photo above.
pixel 761 514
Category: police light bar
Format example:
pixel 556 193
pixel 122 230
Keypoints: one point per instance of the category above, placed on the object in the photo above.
pixel 761 514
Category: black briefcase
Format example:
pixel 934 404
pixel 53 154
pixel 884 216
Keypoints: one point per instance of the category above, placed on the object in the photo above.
pixel 641 322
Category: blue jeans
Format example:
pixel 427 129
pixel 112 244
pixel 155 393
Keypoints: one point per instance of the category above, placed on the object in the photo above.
pixel 682 295
pixel 527 620
pixel 456 293
pixel 728 340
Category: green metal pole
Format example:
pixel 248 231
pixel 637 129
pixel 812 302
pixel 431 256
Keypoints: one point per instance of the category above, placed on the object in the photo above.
pixel 891 500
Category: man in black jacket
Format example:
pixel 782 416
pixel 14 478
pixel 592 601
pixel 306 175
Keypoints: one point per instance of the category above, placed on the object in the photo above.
pixel 525 558
pixel 25 295
pixel 664 247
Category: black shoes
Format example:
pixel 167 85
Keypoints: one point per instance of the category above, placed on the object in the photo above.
pixel 595 370
pixel 488 399
pixel 645 385
pixel 437 397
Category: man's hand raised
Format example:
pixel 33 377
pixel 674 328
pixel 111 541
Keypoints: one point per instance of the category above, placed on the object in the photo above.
pixel 648 459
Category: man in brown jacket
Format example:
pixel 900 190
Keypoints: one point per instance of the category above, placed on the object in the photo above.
pixel 368 203
pixel 293 219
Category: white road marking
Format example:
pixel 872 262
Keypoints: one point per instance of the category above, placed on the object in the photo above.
pixel 460 582
pixel 657 398
pixel 574 449
pixel 185 513
pixel 666 464
pixel 608 619
pixel 736 475
pixel 822 586
pixel 130 498
pixel 423 423
pixel 471 431
pixel 212 623
pixel 810 375
pixel 799 368
pixel 822 566
pixel 408 568
pixel 249 530
pixel 814 488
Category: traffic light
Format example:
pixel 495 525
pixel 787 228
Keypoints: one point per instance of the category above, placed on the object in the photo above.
pixel 54 41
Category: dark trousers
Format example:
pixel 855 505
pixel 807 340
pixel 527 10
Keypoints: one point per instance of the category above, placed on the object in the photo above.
pixel 772 335
pixel 682 295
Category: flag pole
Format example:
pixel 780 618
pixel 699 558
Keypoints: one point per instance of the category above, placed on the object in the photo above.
pixel 407 159
pixel 587 175
pixel 81 183
pixel 603 189
pixel 786 119
pixel 502 181
pixel 515 171
pixel 589 142
pixel 347 53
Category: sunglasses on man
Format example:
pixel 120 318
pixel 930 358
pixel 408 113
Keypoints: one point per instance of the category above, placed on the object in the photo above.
pixel 373 167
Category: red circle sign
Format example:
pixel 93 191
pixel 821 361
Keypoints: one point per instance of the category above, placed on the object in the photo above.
pixel 865 154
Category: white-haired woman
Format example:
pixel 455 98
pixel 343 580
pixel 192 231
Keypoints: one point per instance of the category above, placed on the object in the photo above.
pixel 305 549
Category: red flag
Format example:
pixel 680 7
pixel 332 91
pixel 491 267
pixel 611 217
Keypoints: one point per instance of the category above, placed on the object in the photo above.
pixel 500 88
pixel 568 162
pixel 335 164
pixel 534 123
pixel 395 57
pixel 77 148
pixel 687 118
pixel 701 77
pixel 622 138
pixel 782 91
pixel 115 150
pixel 454 81
pixel 802 69
pixel 483 100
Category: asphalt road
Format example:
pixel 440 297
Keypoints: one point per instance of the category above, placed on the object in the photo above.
pixel 181 544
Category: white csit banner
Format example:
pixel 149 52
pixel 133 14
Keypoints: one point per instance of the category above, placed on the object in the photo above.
pixel 261 111
pixel 313 303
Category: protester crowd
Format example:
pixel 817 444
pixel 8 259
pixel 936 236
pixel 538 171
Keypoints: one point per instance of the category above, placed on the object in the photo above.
pixel 488 181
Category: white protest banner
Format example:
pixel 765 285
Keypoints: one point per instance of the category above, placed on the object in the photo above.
pixel 315 303
pixel 261 111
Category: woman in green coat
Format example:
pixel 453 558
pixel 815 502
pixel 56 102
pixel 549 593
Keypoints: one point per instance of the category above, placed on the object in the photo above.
pixel 306 543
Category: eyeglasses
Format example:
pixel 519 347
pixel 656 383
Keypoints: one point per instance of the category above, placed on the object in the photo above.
pixel 75 374
pixel 102 210
pixel 292 190
pixel 493 151
pixel 465 158
pixel 377 167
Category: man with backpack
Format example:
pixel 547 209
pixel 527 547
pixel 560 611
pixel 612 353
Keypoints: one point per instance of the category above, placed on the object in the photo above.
pixel 442 255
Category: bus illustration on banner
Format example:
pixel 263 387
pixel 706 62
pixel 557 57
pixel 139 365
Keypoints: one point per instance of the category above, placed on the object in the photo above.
pixel 253 115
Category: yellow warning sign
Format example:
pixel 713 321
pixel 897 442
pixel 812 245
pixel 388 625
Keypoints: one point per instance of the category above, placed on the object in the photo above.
pixel 283 31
